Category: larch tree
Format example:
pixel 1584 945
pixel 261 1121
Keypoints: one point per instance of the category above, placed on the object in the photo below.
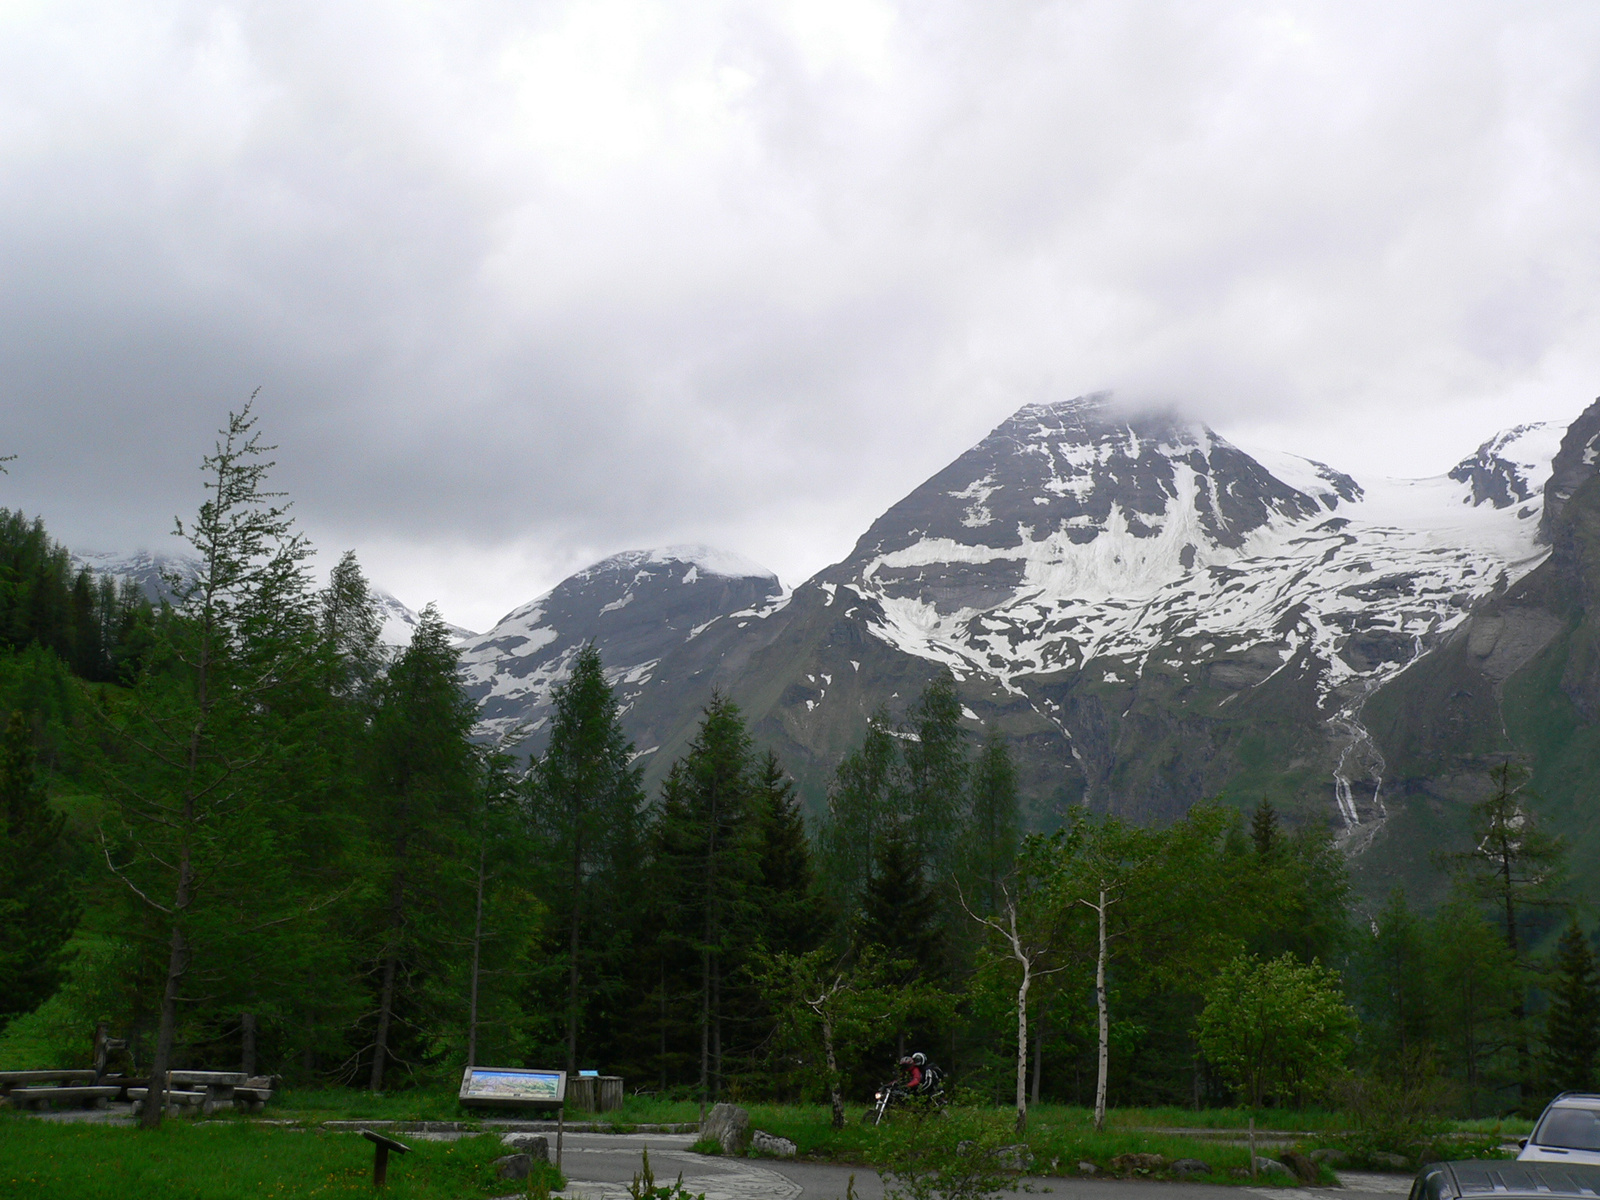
pixel 1514 865
pixel 186 752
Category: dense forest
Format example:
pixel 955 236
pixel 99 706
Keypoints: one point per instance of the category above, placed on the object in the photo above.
pixel 234 826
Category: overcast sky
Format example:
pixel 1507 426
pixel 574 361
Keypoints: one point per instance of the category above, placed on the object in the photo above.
pixel 526 284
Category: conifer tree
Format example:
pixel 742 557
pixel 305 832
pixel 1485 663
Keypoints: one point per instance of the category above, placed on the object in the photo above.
pixel 1264 830
pixel 790 916
pixel 1397 997
pixel 586 801
pixel 351 630
pixel 708 848
pixel 38 905
pixel 425 780
pixel 899 912
pixel 864 802
pixel 190 831
pixel 994 824
pixel 1572 1025
pixel 1476 983
pixel 935 787
pixel 1514 865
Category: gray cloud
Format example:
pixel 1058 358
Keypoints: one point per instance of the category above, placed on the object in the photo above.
pixel 525 285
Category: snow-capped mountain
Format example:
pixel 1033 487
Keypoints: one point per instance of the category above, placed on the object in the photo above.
pixel 400 621
pixel 1079 541
pixel 149 572
pixel 1150 612
pixel 636 607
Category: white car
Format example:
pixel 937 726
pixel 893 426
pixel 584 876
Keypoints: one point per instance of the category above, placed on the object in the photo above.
pixel 1568 1131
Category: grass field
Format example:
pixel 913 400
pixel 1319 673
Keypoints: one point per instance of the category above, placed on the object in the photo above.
pixel 238 1156
pixel 227 1160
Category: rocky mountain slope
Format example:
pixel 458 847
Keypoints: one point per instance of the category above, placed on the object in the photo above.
pixel 1152 614
pixel 637 607
pixel 1519 679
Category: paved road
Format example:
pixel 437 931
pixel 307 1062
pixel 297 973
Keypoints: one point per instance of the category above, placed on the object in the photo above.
pixel 600 1166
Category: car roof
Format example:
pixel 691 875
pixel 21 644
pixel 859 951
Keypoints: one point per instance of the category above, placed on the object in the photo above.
pixel 1503 1178
pixel 1576 1100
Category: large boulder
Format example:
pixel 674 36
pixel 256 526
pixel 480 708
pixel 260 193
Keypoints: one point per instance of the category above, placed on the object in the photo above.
pixel 1014 1158
pixel 534 1145
pixel 513 1166
pixel 763 1142
pixel 729 1126
pixel 1304 1169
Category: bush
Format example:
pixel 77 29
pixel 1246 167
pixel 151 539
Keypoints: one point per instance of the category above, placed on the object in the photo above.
pixel 942 1157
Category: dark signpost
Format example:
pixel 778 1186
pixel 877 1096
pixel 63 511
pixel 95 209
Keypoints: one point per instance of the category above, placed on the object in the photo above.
pixel 380 1155
pixel 515 1087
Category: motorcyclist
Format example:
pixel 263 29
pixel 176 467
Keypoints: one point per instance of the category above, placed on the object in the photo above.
pixel 911 1073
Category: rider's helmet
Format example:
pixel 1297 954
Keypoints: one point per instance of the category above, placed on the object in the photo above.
pixel 918 1059
pixel 909 1060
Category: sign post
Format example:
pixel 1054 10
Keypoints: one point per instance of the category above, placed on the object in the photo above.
pixel 516 1087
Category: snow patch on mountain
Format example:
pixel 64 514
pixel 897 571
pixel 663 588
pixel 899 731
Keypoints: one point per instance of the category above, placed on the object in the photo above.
pixel 1172 534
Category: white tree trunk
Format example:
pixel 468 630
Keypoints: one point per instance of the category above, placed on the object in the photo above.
pixel 1105 1023
pixel 1022 1047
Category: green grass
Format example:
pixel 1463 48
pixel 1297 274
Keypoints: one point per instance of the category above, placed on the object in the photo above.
pixel 225 1160
pixel 415 1104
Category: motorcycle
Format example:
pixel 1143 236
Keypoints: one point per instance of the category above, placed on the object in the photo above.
pixel 895 1093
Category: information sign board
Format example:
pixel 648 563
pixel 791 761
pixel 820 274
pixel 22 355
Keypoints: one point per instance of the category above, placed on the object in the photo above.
pixel 513 1087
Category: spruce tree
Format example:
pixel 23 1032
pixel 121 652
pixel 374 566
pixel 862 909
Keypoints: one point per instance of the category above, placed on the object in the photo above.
pixel 1476 983
pixel 351 631
pixel 424 781
pixel 1572 1025
pixel 708 848
pixel 38 904
pixel 586 801
pixel 935 786
pixel 1264 830
pixel 994 827
pixel 899 912
pixel 1397 996
pixel 789 913
pixel 864 801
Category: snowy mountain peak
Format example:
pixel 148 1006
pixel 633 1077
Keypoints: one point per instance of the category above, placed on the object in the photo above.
pixel 1572 466
pixel 1510 468
pixel 400 621
pixel 148 571
pixel 635 606
pixel 700 560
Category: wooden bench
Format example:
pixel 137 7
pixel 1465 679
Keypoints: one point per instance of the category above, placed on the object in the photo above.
pixel 16 1079
pixel 251 1099
pixel 176 1101
pixel 42 1098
